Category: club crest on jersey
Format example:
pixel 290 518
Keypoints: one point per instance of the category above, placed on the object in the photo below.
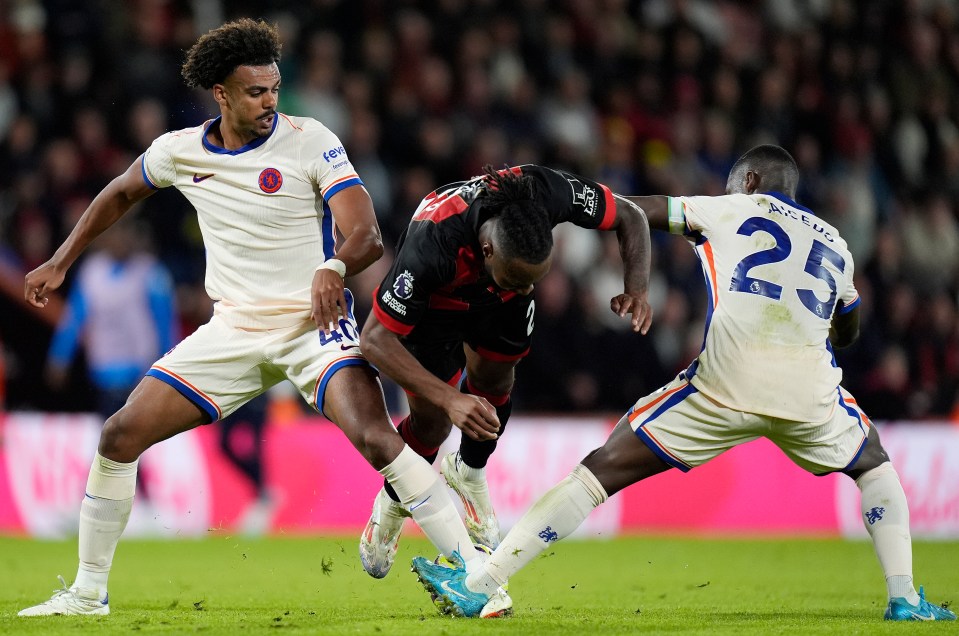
pixel 270 180
pixel 403 285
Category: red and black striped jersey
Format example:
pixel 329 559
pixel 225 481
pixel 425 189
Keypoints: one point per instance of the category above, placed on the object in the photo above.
pixel 439 262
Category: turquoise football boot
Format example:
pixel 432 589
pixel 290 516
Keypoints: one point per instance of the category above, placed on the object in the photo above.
pixel 447 586
pixel 899 609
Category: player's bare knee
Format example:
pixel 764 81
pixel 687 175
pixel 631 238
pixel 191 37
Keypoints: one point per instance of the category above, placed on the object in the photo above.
pixel 378 447
pixel 119 440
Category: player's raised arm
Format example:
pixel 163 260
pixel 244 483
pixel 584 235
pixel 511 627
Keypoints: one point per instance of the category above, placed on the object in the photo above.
pixel 632 232
pixel 362 246
pixel 112 203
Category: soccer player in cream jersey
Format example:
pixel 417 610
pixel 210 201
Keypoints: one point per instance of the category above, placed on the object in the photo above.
pixel 269 190
pixel 780 294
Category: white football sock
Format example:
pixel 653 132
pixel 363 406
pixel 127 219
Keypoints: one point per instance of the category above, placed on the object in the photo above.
pixel 555 516
pixel 103 516
pixel 423 493
pixel 886 516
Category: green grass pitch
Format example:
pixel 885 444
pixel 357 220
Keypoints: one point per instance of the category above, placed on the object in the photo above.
pixel 654 585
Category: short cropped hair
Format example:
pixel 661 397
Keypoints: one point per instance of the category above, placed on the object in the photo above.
pixel 218 52
pixel 777 167
pixel 523 229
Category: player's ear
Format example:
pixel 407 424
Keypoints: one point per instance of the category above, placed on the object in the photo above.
pixel 751 181
pixel 487 249
pixel 219 94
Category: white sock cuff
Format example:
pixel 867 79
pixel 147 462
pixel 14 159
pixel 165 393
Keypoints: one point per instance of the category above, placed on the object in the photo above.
pixel 879 471
pixel 595 489
pixel 112 480
pixel 410 475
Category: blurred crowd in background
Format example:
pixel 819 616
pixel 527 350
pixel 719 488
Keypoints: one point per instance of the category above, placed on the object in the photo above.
pixel 648 97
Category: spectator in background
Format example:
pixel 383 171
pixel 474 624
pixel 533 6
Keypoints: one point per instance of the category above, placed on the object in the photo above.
pixel 930 234
pixel 121 309
pixel 863 94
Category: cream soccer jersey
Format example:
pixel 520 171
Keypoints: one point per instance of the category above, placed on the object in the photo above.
pixel 775 274
pixel 262 210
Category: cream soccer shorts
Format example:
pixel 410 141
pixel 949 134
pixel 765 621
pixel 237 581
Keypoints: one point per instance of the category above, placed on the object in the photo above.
pixel 220 367
pixel 685 428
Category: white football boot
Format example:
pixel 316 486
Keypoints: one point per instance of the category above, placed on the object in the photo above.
pixel 480 519
pixel 500 605
pixel 381 536
pixel 70 602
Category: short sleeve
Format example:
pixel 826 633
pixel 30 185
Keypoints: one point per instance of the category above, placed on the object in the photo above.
pixel 850 295
pixel 685 215
pixel 159 169
pixel 326 162
pixel 571 198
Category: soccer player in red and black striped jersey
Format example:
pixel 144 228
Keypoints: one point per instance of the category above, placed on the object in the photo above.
pixel 459 297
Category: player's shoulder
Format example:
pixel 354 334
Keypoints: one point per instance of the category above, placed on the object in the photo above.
pixel 183 137
pixel 312 136
pixel 302 126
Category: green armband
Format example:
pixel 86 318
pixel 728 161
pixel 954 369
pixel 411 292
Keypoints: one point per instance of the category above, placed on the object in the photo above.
pixel 676 210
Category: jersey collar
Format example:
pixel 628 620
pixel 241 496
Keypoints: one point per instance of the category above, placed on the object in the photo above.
pixel 782 197
pixel 256 143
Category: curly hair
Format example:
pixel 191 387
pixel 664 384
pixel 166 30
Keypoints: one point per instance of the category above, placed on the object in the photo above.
pixel 218 52
pixel 524 230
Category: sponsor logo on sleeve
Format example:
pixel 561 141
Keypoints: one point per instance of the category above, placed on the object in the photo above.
pixel 403 285
pixel 331 154
pixel 342 164
pixel 584 196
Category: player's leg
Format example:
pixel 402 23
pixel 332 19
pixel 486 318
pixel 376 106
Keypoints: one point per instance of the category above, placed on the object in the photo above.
pixel 885 514
pixel 354 401
pixel 465 469
pixel 496 340
pixel 437 345
pixel 381 535
pixel 622 460
pixel 340 383
pixel 155 411
pixel 206 376
pixel 489 376
pixel 849 443
pixel 673 427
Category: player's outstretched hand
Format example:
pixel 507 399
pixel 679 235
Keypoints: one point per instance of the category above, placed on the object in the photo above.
pixel 474 416
pixel 328 300
pixel 41 281
pixel 635 304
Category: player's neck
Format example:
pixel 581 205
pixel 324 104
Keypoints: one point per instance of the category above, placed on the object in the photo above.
pixel 228 137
